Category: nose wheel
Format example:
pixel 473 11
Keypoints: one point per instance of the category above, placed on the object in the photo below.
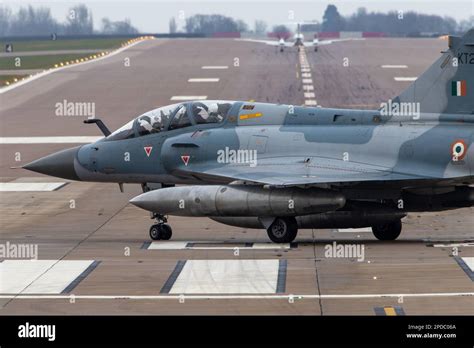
pixel 161 230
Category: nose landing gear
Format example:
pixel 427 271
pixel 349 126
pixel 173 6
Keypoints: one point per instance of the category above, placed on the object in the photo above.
pixel 161 230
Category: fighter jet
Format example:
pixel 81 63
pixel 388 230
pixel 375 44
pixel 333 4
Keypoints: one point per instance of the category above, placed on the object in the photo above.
pixel 285 167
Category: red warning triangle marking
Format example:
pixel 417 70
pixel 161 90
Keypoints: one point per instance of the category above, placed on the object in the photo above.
pixel 148 150
pixel 185 159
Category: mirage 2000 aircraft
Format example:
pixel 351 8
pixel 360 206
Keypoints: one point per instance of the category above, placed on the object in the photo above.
pixel 284 167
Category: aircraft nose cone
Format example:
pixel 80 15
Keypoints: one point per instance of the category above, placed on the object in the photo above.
pixel 59 164
pixel 144 201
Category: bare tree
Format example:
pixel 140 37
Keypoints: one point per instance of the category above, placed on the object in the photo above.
pixel 173 26
pixel 79 21
pixel 5 23
pixel 118 27
pixel 260 27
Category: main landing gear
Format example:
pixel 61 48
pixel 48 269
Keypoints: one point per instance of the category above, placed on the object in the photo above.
pixel 161 230
pixel 388 231
pixel 283 230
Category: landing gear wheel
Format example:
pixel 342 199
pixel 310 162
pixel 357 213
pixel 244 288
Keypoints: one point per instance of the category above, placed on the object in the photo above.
pixel 161 232
pixel 166 232
pixel 389 231
pixel 283 230
pixel 155 232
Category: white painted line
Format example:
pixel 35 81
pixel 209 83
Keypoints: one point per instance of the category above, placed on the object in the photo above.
pixel 310 102
pixel 172 245
pixel 58 277
pixel 405 79
pixel 49 140
pixel 271 246
pixel 167 245
pixel 452 245
pixel 305 75
pixel 16 275
pixel 235 297
pixel 354 230
pixel 308 81
pixel 394 66
pixel 309 95
pixel 469 261
pixel 53 70
pixel 39 276
pixel 204 79
pixel 305 70
pixel 227 277
pixel 214 67
pixel 30 186
pixel 308 87
pixel 189 97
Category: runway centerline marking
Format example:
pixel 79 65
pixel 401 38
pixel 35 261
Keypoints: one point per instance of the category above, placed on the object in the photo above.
pixel 203 79
pixel 49 140
pixel 188 97
pixel 214 67
pixel 405 79
pixel 388 66
pixel 30 186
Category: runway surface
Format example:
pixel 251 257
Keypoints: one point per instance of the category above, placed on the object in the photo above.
pixel 100 257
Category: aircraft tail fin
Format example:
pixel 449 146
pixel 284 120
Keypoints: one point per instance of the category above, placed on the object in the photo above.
pixel 448 85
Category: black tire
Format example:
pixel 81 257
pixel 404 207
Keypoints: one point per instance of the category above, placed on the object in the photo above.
pixel 166 232
pixel 389 231
pixel 283 230
pixel 155 232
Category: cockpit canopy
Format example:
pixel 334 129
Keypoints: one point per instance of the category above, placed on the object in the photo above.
pixel 173 117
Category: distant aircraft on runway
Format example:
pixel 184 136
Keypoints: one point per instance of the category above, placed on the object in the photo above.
pixel 283 167
pixel 297 41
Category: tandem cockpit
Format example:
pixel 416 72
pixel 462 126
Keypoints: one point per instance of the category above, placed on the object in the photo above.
pixel 172 117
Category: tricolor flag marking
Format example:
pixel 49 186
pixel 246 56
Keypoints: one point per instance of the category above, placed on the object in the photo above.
pixel 458 88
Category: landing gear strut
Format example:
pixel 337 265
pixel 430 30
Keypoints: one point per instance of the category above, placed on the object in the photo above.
pixel 283 230
pixel 389 231
pixel 161 230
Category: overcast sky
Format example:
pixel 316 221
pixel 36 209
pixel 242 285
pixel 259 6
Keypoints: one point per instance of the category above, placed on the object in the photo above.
pixel 153 16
